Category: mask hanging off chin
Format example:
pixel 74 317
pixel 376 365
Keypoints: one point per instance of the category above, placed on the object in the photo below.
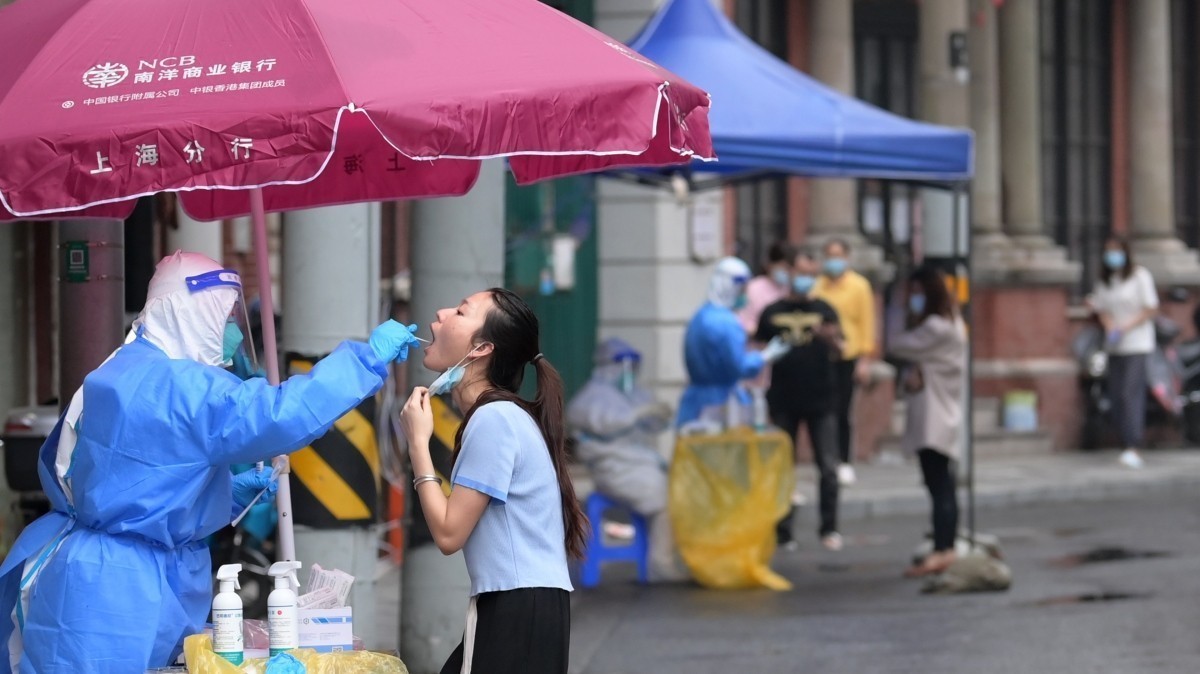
pixel 451 377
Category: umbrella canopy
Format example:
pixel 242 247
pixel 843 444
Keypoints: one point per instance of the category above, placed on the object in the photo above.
pixel 244 106
pixel 776 119
pixel 317 101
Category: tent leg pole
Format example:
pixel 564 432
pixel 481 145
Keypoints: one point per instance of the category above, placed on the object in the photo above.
pixel 964 273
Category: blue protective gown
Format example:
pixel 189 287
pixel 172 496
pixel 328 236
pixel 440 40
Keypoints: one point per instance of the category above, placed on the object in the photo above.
pixel 122 572
pixel 714 350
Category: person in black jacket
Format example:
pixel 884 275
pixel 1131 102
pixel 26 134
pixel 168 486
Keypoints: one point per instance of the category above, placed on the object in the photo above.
pixel 802 386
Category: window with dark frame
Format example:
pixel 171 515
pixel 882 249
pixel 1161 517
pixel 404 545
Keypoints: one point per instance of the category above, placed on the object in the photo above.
pixel 761 217
pixel 1185 116
pixel 1076 102
pixel 885 61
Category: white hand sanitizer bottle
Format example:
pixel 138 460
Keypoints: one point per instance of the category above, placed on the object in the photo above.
pixel 227 615
pixel 282 621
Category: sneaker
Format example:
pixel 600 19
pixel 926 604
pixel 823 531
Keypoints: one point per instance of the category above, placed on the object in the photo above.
pixel 1131 459
pixel 832 542
pixel 846 476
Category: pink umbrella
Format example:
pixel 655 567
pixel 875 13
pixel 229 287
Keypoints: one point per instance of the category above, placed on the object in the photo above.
pixel 246 106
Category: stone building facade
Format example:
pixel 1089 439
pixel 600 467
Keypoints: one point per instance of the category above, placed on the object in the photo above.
pixel 1086 116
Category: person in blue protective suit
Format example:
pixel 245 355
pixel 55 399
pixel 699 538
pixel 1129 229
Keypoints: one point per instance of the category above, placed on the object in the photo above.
pixel 138 474
pixel 714 345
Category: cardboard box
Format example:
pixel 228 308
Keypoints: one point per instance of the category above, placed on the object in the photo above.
pixel 327 629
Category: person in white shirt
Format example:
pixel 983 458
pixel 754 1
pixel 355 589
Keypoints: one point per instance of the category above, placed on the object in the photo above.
pixel 1126 302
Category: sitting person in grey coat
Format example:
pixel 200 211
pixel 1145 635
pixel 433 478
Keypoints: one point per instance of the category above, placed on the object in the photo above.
pixel 935 349
pixel 615 422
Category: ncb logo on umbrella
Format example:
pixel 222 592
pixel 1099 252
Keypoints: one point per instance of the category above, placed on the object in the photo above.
pixel 105 75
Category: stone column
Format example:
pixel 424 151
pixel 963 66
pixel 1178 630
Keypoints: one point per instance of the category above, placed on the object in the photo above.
pixel 991 249
pixel 944 99
pixel 833 203
pixel 1151 160
pixel 944 94
pixel 1035 255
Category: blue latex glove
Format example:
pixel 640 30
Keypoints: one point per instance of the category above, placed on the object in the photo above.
pixel 775 349
pixel 247 485
pixel 391 340
pixel 1114 336
pixel 285 663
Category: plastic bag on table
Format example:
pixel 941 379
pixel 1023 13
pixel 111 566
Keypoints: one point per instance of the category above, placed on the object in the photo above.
pixel 727 492
pixel 202 660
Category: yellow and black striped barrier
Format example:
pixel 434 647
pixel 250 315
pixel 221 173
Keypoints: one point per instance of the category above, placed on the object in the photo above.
pixel 337 477
pixel 441 449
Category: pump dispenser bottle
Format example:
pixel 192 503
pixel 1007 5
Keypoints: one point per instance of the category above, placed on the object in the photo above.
pixel 227 615
pixel 282 621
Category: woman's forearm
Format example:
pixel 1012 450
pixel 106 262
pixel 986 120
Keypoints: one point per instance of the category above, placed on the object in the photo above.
pixel 1146 315
pixel 434 503
pixel 418 455
pixel 450 518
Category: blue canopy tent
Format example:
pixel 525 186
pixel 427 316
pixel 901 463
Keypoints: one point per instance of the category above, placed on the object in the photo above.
pixel 768 118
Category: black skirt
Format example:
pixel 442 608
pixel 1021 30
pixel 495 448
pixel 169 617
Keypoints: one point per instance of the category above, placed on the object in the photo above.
pixel 522 631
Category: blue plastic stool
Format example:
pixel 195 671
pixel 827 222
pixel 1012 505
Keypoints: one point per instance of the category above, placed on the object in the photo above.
pixel 598 553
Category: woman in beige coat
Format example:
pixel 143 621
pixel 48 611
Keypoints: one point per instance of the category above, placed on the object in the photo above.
pixel 935 346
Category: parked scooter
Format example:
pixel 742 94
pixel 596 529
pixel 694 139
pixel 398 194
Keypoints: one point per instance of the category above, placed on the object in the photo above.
pixel 1189 394
pixel 1092 360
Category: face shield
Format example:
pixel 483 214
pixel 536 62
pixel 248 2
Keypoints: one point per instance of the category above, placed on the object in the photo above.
pixel 237 340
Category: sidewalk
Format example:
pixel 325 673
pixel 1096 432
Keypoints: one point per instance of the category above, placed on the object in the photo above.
pixel 884 490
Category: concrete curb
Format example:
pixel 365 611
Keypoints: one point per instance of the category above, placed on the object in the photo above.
pixel 866 507
pixel 885 491
pixel 1031 481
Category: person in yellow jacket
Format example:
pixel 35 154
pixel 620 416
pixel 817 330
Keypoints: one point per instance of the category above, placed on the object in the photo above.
pixel 851 296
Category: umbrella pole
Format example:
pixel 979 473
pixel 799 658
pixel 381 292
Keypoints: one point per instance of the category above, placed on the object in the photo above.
pixel 283 499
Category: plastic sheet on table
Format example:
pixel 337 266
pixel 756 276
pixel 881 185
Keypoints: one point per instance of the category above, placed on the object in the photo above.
pixel 202 660
pixel 727 492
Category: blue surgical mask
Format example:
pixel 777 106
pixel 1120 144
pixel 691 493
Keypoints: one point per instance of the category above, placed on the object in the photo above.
pixel 835 266
pixel 1114 259
pixel 780 277
pixel 916 304
pixel 450 378
pixel 803 284
pixel 231 341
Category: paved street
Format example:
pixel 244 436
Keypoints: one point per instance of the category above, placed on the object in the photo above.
pixel 853 612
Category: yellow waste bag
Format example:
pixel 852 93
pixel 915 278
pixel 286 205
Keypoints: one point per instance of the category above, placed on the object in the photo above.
pixel 727 492
pixel 201 659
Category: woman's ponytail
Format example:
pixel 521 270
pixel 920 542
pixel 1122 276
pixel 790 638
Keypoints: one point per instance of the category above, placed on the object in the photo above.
pixel 548 412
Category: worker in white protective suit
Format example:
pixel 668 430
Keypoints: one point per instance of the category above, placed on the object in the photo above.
pixel 615 422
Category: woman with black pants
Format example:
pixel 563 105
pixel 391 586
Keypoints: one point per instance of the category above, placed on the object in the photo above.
pixel 1126 302
pixel 935 348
